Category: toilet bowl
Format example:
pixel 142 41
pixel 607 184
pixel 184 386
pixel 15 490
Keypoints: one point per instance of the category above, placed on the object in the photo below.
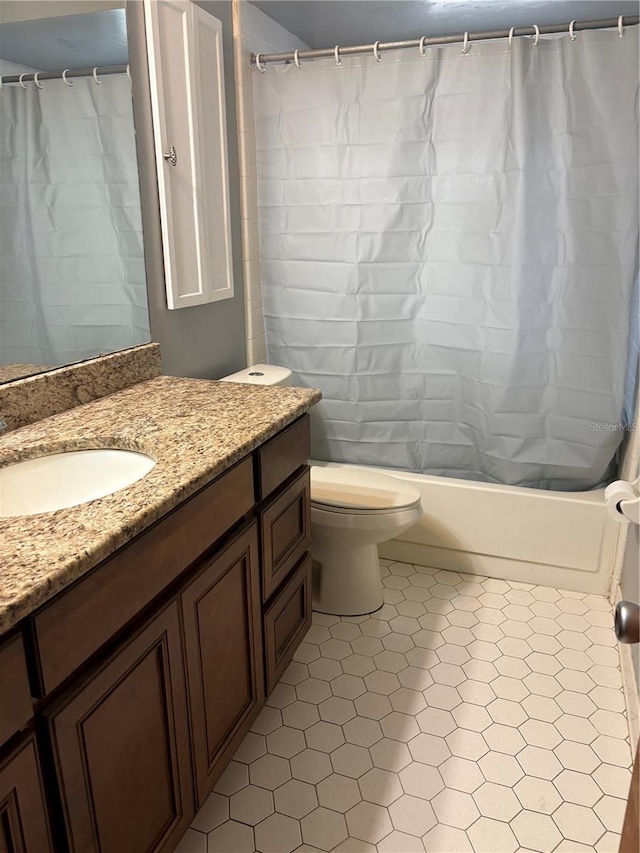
pixel 353 510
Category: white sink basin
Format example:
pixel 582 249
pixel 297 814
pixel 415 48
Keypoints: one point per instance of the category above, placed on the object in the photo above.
pixel 61 480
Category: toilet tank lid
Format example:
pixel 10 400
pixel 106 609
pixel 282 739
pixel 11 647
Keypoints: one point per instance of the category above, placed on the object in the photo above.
pixel 357 488
pixel 261 374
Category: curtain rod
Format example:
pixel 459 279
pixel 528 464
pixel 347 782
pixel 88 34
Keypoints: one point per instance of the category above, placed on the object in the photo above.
pixel 259 59
pixel 30 76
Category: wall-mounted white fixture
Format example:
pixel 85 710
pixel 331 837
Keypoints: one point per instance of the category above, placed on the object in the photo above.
pixel 623 501
pixel 186 74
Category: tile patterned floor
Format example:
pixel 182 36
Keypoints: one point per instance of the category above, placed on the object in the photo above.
pixel 468 714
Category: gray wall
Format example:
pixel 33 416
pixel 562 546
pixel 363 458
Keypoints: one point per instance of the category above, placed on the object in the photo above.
pixel 205 341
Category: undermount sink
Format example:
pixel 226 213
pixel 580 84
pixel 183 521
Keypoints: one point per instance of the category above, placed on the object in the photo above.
pixel 62 480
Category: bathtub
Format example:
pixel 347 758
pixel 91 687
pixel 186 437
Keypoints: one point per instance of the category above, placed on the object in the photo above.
pixel 561 539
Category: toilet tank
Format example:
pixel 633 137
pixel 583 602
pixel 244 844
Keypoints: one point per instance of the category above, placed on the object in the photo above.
pixel 261 374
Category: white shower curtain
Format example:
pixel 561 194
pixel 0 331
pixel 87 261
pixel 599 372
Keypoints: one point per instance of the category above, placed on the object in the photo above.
pixel 447 249
pixel 72 277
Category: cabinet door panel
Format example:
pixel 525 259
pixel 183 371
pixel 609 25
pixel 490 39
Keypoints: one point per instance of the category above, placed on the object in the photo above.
pixel 121 747
pixel 23 819
pixel 286 621
pixel 221 617
pixel 285 532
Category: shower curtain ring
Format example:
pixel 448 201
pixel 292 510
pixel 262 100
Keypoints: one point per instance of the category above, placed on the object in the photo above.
pixel 465 44
pixel 20 80
pixel 620 27
pixel 572 35
pixel 537 37
pixel 376 53
pixel 35 80
pixel 296 59
pixel 95 76
pixel 261 68
pixel 336 53
pixel 511 32
pixel 423 52
pixel 64 77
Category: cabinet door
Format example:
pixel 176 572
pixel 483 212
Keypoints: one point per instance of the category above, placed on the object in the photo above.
pixel 121 747
pixel 23 819
pixel 223 641
pixel 186 75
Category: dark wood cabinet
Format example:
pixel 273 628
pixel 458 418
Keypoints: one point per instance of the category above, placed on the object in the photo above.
pixel 147 672
pixel 223 644
pixel 23 817
pixel 121 747
pixel 285 532
pixel 286 621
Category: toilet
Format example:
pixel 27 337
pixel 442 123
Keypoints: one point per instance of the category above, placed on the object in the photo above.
pixel 353 510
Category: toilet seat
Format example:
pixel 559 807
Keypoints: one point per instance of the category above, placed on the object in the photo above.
pixel 354 491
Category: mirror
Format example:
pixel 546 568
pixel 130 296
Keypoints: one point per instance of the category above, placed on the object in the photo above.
pixel 72 272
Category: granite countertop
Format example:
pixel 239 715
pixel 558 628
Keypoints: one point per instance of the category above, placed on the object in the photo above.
pixel 194 428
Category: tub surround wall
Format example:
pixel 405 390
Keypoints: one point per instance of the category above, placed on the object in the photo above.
pixel 25 401
pixel 194 429
pixel 253 32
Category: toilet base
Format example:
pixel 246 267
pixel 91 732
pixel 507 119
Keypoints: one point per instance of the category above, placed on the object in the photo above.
pixel 347 581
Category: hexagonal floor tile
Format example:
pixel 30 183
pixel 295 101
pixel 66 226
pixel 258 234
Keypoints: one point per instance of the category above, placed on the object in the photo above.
pixel 461 774
pixel 447 839
pixel 351 760
pixel 421 780
pixel 251 805
pixel 455 808
pixel 232 836
pixel 311 766
pixel 323 828
pixel 295 798
pixel 536 831
pixel 362 731
pixel 538 795
pixel 412 815
pixel 488 836
pixel 324 737
pixel 497 801
pixel 390 755
pixel 276 834
pixel 339 793
pixel 270 772
pixel 578 823
pixel 380 786
pixel 368 822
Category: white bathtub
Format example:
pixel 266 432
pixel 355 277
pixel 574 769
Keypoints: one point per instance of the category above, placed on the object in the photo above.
pixel 560 539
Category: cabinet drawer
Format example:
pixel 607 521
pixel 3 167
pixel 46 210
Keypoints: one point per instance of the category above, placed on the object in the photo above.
pixel 121 747
pixel 223 644
pixel 80 620
pixel 286 622
pixel 15 696
pixel 23 817
pixel 285 532
pixel 279 457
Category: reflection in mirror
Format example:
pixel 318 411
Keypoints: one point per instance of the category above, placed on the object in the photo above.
pixel 72 275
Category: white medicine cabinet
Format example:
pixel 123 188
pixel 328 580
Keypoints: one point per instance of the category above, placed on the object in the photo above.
pixel 186 74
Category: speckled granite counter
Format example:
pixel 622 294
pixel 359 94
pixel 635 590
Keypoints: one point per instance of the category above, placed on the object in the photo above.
pixel 194 428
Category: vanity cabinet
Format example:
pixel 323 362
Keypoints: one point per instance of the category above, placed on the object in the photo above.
pixel 121 747
pixel 148 671
pixel 24 826
pixel 223 648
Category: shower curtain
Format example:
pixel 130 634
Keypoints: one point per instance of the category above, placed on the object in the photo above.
pixel 72 277
pixel 448 246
